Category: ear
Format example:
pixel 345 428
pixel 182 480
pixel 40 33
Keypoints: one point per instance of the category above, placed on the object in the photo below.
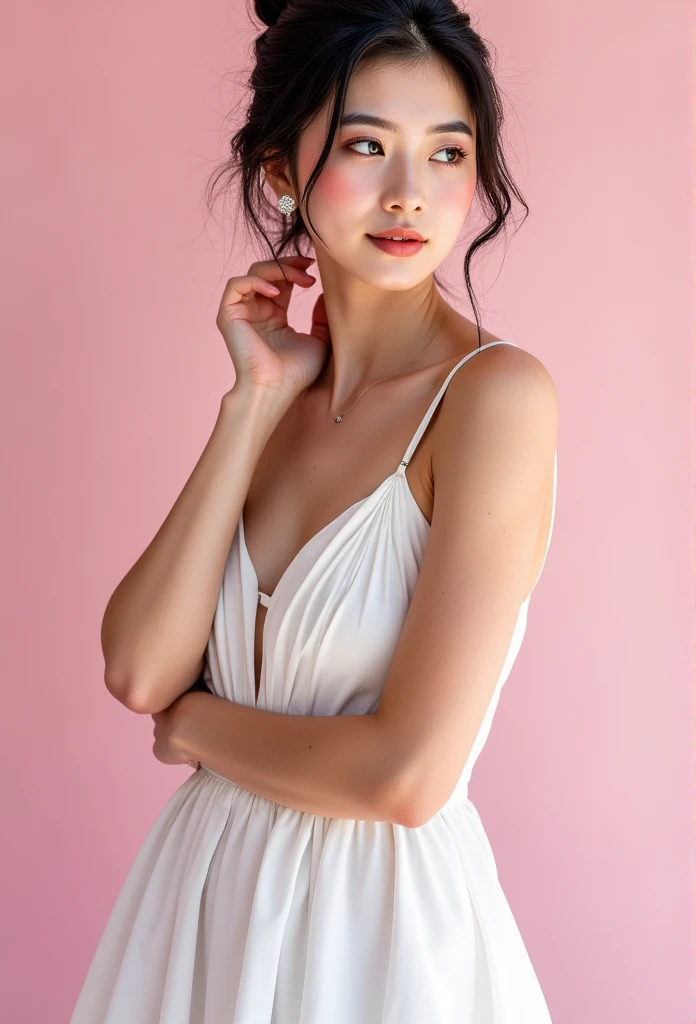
pixel 276 172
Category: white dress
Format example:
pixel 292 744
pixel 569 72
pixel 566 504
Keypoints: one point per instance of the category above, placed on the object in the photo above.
pixel 238 910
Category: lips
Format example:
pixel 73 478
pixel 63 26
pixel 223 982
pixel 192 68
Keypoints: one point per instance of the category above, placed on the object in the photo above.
pixel 399 232
pixel 394 248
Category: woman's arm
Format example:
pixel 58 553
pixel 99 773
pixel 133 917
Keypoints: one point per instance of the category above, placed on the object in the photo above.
pixel 158 620
pixel 493 466
pixel 493 471
pixel 335 765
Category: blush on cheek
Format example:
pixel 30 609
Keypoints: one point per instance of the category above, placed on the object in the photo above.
pixel 456 198
pixel 337 186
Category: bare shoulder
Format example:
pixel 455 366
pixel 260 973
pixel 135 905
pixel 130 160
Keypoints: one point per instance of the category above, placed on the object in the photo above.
pixel 503 395
pixel 502 366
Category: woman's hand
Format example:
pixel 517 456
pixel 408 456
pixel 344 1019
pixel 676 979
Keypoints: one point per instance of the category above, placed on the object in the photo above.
pixel 167 726
pixel 266 352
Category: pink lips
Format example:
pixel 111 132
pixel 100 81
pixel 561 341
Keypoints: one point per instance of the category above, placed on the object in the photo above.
pixel 388 245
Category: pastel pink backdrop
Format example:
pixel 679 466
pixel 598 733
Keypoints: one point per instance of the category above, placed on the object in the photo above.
pixel 113 370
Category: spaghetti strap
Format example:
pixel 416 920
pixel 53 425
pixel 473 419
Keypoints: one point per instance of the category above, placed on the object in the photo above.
pixel 434 404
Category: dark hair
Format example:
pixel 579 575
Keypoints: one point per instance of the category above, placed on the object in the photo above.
pixel 307 54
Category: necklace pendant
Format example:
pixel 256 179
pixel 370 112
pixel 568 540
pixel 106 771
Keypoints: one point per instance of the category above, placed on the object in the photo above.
pixel 338 419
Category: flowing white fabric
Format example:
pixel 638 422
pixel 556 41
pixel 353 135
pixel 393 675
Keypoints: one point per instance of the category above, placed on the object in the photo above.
pixel 238 910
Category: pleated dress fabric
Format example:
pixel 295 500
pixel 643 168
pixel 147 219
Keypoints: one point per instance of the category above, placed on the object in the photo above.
pixel 238 910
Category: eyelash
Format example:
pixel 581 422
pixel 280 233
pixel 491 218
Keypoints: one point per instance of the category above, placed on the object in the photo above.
pixel 447 163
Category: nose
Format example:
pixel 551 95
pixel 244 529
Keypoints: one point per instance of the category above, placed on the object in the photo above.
pixel 404 191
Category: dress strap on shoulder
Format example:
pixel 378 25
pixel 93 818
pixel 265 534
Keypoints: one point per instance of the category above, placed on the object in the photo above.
pixel 436 400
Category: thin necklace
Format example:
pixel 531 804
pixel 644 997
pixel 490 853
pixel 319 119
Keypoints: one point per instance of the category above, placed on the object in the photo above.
pixel 337 419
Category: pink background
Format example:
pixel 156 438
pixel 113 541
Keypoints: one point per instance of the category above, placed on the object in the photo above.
pixel 113 370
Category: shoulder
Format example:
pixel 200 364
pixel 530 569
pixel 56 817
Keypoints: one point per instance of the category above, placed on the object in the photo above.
pixel 500 370
pixel 501 396
pixel 493 452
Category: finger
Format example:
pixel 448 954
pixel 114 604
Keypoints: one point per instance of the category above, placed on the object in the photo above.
pixel 290 267
pixel 294 274
pixel 239 288
pixel 295 261
pixel 288 272
pixel 271 273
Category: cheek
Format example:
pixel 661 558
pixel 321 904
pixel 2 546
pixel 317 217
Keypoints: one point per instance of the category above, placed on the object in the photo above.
pixel 337 186
pixel 456 195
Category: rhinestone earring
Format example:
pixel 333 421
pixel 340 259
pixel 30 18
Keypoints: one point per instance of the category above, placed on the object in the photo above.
pixel 286 204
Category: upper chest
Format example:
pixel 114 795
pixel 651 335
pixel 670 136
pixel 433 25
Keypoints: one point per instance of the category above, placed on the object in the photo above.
pixel 312 470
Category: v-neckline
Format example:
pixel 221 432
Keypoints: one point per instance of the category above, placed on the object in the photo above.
pixel 244 552
pixel 319 533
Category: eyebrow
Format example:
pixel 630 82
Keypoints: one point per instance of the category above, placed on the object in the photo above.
pixel 390 126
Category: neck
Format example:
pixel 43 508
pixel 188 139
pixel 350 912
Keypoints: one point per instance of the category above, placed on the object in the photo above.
pixel 376 338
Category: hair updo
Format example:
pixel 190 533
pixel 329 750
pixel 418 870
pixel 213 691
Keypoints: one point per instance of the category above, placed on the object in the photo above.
pixel 305 57
pixel 268 11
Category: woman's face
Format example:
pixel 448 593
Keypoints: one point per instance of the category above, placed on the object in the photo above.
pixel 416 171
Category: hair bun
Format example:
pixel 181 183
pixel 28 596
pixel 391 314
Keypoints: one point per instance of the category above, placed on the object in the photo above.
pixel 270 10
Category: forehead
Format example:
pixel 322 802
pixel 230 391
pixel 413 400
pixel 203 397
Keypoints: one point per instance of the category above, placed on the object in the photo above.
pixel 412 94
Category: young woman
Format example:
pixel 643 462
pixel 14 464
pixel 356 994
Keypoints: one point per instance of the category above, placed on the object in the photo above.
pixel 349 566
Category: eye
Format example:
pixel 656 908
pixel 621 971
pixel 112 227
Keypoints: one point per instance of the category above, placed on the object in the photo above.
pixel 460 153
pixel 362 142
pixel 461 156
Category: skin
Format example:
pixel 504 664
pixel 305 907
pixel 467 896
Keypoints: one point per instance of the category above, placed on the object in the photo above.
pixel 482 474
pixel 400 177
